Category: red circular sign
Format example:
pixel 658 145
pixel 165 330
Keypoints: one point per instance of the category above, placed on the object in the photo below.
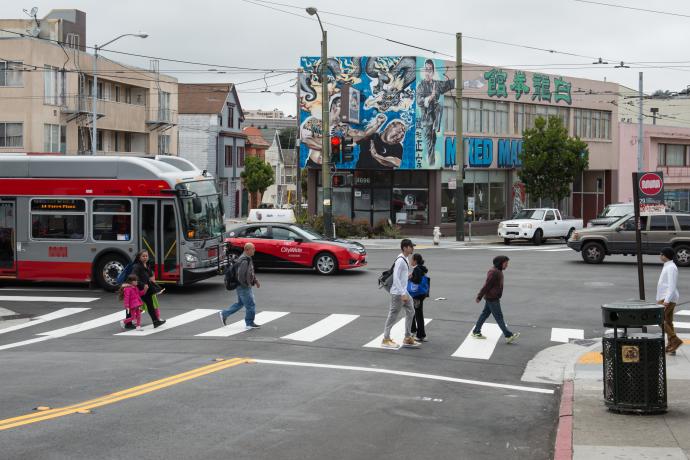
pixel 651 184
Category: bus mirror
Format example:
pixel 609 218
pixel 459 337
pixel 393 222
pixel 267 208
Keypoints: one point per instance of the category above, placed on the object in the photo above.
pixel 196 205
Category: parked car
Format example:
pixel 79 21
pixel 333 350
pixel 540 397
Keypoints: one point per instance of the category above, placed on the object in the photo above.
pixel 537 225
pixel 658 231
pixel 284 245
pixel 611 214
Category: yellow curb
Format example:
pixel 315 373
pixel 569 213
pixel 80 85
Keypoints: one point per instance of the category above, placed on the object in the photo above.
pixel 592 357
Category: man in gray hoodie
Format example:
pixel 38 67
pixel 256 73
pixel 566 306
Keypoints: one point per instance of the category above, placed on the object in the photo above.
pixel 245 296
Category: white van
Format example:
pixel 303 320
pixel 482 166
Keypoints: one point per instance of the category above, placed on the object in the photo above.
pixel 283 216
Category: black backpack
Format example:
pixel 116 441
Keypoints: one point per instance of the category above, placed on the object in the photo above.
pixel 386 279
pixel 230 277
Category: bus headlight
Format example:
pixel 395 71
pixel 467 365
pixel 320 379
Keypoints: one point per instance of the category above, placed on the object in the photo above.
pixel 191 260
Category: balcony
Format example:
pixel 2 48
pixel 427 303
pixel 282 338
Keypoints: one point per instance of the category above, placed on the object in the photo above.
pixel 161 119
pixel 81 106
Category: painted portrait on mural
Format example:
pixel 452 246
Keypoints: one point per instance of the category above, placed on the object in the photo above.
pixel 383 88
pixel 430 90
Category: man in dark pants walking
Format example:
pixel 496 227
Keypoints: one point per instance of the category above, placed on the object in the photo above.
pixel 492 292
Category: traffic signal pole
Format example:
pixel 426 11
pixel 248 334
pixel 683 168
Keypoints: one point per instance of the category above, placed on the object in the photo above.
pixel 459 145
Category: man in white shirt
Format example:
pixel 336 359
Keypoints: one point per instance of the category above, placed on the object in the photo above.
pixel 667 295
pixel 400 298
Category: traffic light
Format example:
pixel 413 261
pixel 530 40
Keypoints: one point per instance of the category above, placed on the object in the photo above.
pixel 348 145
pixel 336 150
pixel 338 180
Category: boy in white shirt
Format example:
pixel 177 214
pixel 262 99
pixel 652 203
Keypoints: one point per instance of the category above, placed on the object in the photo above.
pixel 400 298
pixel 667 295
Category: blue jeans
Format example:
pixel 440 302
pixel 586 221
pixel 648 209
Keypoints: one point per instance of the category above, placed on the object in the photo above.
pixel 245 298
pixel 492 307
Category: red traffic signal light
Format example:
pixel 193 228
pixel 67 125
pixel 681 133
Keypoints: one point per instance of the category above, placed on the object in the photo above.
pixel 336 151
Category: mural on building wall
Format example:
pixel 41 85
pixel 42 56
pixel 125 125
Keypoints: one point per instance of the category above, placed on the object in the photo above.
pixel 434 81
pixel 386 90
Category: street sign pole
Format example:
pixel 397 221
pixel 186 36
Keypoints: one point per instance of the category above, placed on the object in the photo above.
pixel 638 233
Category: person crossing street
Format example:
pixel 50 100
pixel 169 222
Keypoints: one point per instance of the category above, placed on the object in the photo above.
pixel 245 295
pixel 667 295
pixel 400 298
pixel 491 292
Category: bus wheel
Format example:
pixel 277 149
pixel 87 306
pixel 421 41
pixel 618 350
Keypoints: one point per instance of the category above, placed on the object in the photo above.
pixel 108 268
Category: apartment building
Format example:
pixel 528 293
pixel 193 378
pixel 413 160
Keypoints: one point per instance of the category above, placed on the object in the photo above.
pixel 46 83
pixel 211 137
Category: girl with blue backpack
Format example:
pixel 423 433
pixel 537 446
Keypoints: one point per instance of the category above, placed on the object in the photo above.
pixel 418 287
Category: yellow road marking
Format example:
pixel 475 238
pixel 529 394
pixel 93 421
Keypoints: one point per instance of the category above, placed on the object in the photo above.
pixel 592 357
pixel 120 395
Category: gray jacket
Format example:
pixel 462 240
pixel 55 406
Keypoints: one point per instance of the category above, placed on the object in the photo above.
pixel 245 271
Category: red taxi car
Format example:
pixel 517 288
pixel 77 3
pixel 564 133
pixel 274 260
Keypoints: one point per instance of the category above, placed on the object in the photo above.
pixel 290 246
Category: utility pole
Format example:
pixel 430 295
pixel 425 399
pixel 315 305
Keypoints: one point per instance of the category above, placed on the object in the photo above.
pixel 636 198
pixel 325 143
pixel 459 145
pixel 298 145
pixel 94 92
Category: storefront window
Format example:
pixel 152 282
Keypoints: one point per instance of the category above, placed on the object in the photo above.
pixel 497 195
pixel 411 206
pixel 484 189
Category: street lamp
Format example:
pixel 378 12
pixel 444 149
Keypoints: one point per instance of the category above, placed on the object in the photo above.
pixel 95 85
pixel 325 131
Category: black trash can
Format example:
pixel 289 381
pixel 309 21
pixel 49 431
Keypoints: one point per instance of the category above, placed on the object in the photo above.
pixel 634 362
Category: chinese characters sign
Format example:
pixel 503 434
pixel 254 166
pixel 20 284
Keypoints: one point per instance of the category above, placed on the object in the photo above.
pixel 541 90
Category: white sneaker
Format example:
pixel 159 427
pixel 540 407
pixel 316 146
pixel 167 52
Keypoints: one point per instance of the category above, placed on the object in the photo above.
pixel 139 328
pixel 122 324
pixel 512 338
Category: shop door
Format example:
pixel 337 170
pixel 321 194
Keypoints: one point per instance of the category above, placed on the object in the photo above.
pixel 8 243
pixel 372 204
pixel 158 235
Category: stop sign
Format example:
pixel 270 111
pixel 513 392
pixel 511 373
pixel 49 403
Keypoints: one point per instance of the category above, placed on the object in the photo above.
pixel 651 184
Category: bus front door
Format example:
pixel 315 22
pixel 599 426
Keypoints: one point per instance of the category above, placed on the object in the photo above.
pixel 8 239
pixel 158 235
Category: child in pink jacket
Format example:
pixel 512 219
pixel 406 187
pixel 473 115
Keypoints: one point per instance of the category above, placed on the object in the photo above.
pixel 131 295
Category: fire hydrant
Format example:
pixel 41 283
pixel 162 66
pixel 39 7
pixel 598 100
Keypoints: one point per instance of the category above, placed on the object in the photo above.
pixel 437 235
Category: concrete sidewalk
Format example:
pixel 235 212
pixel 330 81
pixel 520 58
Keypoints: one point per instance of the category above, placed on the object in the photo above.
pixel 598 433
pixel 424 242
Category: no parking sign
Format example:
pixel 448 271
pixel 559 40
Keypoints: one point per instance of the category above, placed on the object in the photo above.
pixel 650 186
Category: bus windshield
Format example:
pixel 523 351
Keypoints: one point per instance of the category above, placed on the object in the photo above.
pixel 208 221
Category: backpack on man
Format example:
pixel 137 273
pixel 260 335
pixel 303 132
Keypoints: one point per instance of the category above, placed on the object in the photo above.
pixel 385 280
pixel 230 277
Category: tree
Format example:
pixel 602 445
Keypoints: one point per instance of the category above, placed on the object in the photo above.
pixel 551 159
pixel 287 136
pixel 257 176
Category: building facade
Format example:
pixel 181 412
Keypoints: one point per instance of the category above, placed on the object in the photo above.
pixel 45 94
pixel 211 137
pixel 665 149
pixel 402 116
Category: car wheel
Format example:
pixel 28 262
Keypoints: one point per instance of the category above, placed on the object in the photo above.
pixel 506 241
pixel 108 269
pixel 538 237
pixel 325 264
pixel 570 233
pixel 683 255
pixel 593 253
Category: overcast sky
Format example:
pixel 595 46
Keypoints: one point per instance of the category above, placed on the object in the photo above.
pixel 240 33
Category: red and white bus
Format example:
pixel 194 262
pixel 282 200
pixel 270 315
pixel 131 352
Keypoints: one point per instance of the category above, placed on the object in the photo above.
pixel 83 218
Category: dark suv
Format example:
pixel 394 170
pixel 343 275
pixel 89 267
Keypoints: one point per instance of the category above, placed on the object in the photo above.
pixel 658 231
pixel 611 214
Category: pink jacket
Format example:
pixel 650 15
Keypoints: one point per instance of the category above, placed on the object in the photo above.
pixel 132 296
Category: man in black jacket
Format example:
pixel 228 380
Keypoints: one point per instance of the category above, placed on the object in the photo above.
pixel 492 292
pixel 245 296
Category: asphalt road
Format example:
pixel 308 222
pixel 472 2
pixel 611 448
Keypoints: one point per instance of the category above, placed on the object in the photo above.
pixel 328 398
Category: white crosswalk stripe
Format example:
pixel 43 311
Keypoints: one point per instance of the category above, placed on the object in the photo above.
pixel 61 313
pixel 173 322
pixel 564 335
pixel 240 326
pixel 86 325
pixel 321 328
pixel 480 348
pixel 21 298
pixel 682 313
pixel 681 325
pixel 397 334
